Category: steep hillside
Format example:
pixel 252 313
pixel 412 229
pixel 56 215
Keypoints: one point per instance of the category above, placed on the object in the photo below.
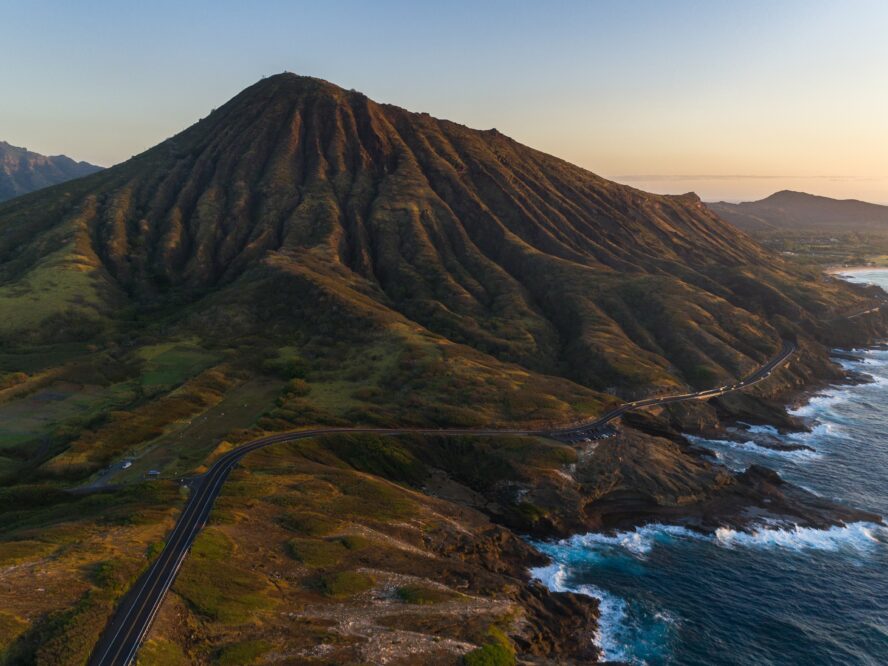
pixel 798 211
pixel 305 257
pixel 299 208
pixel 22 171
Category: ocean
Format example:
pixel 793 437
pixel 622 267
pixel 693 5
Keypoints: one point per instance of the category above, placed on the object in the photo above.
pixel 777 595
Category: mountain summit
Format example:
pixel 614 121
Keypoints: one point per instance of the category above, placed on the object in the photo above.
pixel 22 171
pixel 313 207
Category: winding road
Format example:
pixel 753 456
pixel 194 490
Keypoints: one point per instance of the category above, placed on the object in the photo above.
pixel 130 624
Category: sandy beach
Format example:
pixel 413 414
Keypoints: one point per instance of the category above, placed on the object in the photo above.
pixel 839 270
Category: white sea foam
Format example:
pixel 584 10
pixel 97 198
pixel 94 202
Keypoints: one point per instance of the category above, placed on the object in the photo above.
pixel 611 631
pixel 750 446
pixel 552 576
pixel 729 461
pixel 637 542
pixel 819 403
pixel 762 430
pixel 818 432
pixel 877 375
pixel 610 636
pixel 640 541
pixel 854 536
pixel 617 636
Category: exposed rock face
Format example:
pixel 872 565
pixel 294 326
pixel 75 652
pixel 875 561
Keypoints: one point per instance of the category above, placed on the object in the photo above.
pixel 22 171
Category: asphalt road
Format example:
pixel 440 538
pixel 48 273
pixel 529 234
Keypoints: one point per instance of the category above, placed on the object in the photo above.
pixel 129 625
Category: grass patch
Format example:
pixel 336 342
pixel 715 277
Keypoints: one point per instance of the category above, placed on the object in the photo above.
pixel 13 552
pixel 239 409
pixel 369 498
pixel 316 553
pixel 160 652
pixel 62 284
pixel 65 636
pixel 215 587
pixel 355 542
pixel 33 359
pixel 11 627
pixel 171 364
pixel 491 654
pixel 343 584
pixel 309 524
pixel 497 651
pixel 56 412
pixel 245 652
pixel 381 456
pixel 127 431
pixel 421 595
pixel 39 507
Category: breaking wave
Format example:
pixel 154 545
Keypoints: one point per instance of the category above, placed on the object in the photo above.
pixel 750 446
pixel 854 536
pixel 619 637
pixel 639 542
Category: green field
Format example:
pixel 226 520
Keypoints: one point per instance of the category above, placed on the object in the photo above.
pixel 172 363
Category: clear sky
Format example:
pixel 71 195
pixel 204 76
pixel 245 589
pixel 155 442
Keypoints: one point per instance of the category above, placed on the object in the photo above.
pixel 733 100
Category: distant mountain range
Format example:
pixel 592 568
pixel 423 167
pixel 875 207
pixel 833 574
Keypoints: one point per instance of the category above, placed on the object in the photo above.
pixel 788 210
pixel 22 171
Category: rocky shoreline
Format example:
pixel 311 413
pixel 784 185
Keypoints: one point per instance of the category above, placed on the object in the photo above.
pixel 652 473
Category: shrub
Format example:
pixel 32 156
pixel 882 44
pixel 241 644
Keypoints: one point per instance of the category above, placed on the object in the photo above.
pixel 498 651
pixel 246 652
pixel 108 575
pixel 315 553
pixel 373 499
pixel 10 628
pixel 215 587
pixel 355 542
pixel 492 654
pixel 309 524
pixel 298 387
pixel 285 368
pixel 423 596
pixel 160 652
pixel 380 456
pixel 344 583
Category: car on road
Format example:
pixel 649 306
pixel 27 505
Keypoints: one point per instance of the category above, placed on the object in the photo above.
pixel 126 464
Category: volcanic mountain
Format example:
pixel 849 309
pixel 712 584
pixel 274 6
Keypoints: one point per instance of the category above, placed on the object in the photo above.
pixel 302 209
pixel 799 211
pixel 22 171
pixel 304 257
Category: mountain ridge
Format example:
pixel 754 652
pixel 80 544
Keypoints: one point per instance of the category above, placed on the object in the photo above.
pixel 23 171
pixel 791 210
